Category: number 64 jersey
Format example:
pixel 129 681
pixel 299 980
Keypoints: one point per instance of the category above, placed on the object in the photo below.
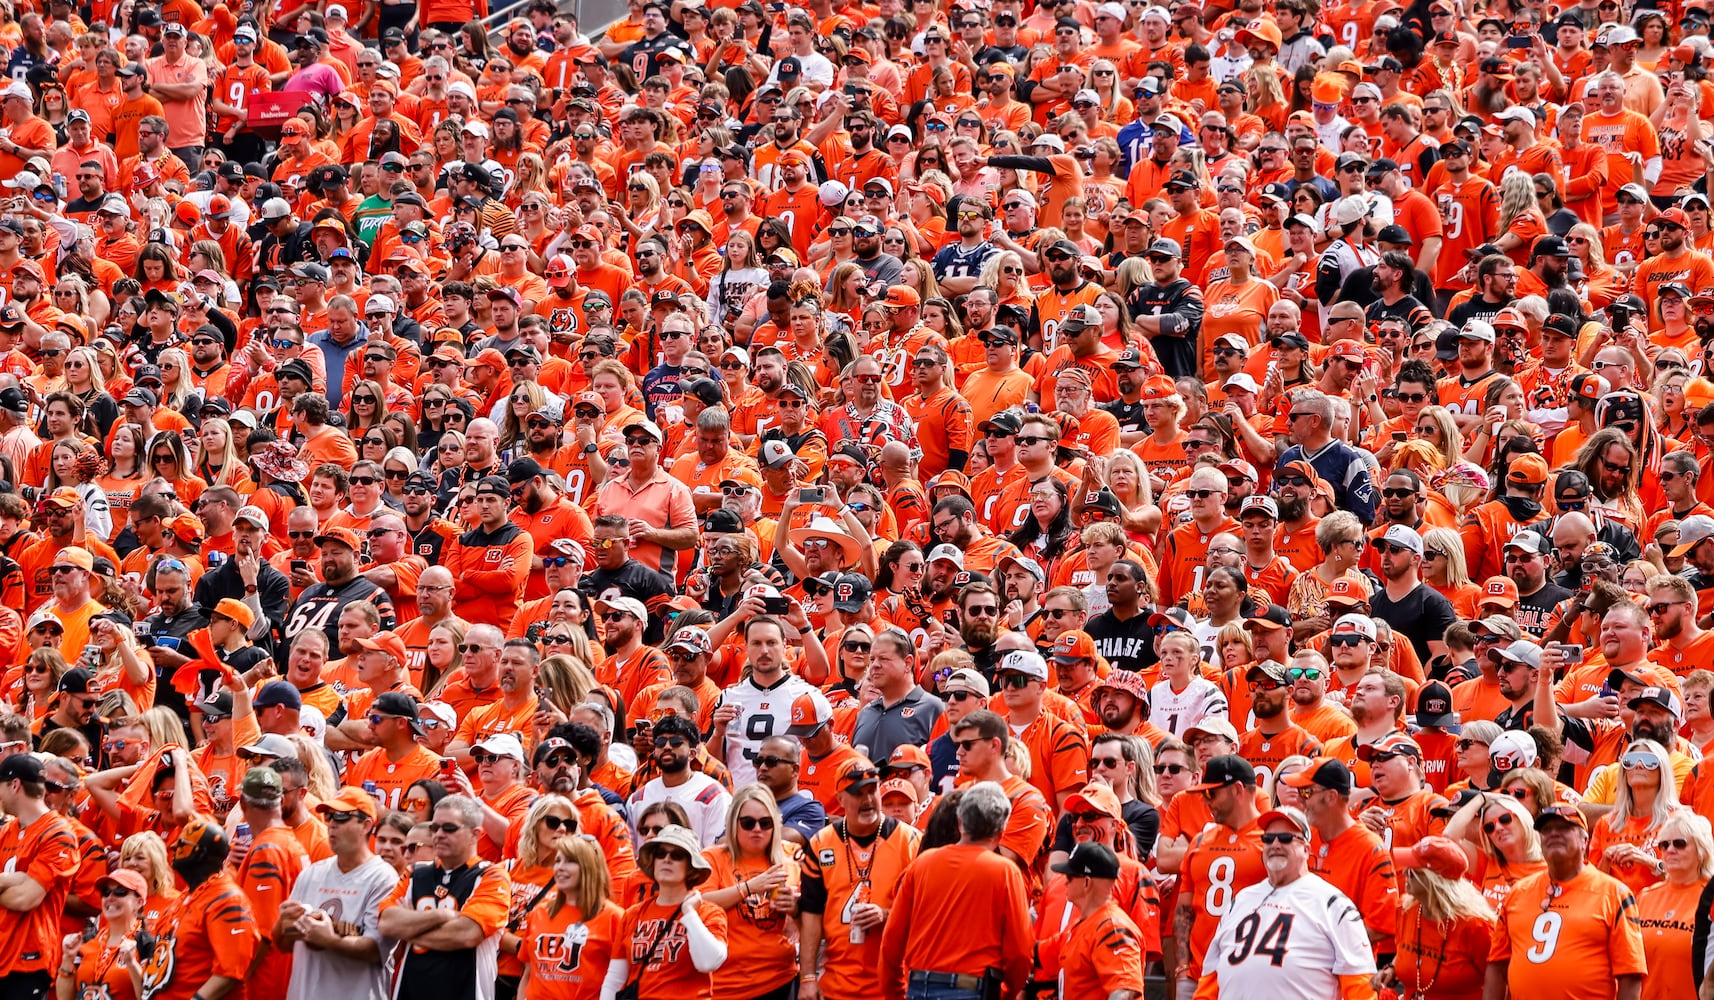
pixel 1289 942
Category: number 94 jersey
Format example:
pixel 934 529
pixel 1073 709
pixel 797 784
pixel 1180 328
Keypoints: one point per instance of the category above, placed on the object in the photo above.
pixel 1290 942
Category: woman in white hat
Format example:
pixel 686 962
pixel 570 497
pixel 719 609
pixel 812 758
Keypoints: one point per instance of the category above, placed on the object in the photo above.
pixel 682 935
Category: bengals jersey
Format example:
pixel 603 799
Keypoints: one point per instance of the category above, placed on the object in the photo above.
pixel 273 864
pixel 1220 862
pixel 1568 939
pixel 839 872
pixel 47 852
pixel 208 931
pixel 1104 955
pixel 1358 864
pixel 480 891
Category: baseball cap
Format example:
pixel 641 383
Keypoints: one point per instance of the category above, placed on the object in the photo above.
pixel 1434 706
pixel 1327 772
pixel 1023 661
pixel 1226 769
pixel 966 680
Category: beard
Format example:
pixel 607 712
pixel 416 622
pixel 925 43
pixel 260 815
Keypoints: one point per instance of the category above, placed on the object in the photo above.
pixel 978 634
pixel 1295 509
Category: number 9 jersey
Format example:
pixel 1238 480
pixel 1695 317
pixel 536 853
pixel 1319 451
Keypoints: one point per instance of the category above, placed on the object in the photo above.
pixel 1290 942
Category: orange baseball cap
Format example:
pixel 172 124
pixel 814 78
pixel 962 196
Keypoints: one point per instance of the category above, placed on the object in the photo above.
pixel 1073 646
pixel 1528 469
pixel 1095 797
pixel 907 755
pixel 188 528
pixel 348 800
pixel 1348 590
pixel 386 642
pixel 1501 590
pixel 343 535
pixel 1159 387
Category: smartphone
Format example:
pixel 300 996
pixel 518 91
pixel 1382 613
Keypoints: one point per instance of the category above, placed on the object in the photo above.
pixel 950 617
pixel 1518 41
pixel 776 605
pixel 1400 436
pixel 299 564
pixel 448 765
pixel 1571 655
pixel 850 90
pixel 812 494
pixel 91 653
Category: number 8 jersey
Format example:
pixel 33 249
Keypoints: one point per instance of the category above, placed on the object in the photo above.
pixel 1220 862
pixel 1289 942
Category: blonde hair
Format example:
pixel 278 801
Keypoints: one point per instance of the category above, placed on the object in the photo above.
pixel 592 876
pixel 1695 828
pixel 1451 544
pixel 1665 799
pixel 528 844
pixel 149 846
pixel 1451 445
pixel 321 783
pixel 755 792
pixel 163 727
pixel 1437 897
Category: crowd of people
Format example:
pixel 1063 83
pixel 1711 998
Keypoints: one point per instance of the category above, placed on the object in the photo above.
pixel 938 499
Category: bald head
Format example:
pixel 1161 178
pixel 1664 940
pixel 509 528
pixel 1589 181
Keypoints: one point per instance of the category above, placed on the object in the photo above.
pixel 1573 529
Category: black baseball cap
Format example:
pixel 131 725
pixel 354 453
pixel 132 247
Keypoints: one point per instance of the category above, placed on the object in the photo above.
pixel 1226 769
pixel 1434 707
pixel 1089 860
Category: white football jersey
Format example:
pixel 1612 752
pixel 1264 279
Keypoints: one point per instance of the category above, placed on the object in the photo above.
pixel 763 712
pixel 1177 712
pixel 1288 943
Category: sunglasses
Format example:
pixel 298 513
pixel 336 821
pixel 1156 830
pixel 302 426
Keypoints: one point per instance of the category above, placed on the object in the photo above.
pixel 1504 819
pixel 345 817
pixel 750 824
pixel 447 828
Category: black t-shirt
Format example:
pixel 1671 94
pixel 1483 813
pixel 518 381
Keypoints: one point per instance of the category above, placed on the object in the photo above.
pixel 1423 616
pixel 1534 610
pixel 1143 819
pixel 633 579
pixel 1129 415
pixel 1127 644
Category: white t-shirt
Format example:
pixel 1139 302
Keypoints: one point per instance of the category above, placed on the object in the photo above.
pixel 704 800
pixel 353 901
pixel 1177 712
pixel 1289 943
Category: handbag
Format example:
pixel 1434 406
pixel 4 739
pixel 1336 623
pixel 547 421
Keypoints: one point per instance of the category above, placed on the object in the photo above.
pixel 631 990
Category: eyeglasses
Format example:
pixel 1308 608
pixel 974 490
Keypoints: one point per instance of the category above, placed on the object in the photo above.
pixel 662 742
pixel 750 824
pixel 345 817
pixel 447 828
pixel 1304 673
pixel 115 892
pixel 1277 839
pixel 1645 761
pixel 1676 844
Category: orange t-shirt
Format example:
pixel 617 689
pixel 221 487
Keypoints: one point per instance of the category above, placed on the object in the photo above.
pixel 671 973
pixel 391 780
pixel 567 954
pixel 208 931
pixel 761 943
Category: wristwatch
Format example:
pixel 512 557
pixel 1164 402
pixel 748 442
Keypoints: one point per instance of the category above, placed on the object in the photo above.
pixel 590 449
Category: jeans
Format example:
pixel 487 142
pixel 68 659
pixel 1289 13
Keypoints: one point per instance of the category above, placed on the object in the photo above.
pixel 918 991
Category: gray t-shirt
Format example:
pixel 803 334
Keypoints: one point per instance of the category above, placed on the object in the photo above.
pixel 353 900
